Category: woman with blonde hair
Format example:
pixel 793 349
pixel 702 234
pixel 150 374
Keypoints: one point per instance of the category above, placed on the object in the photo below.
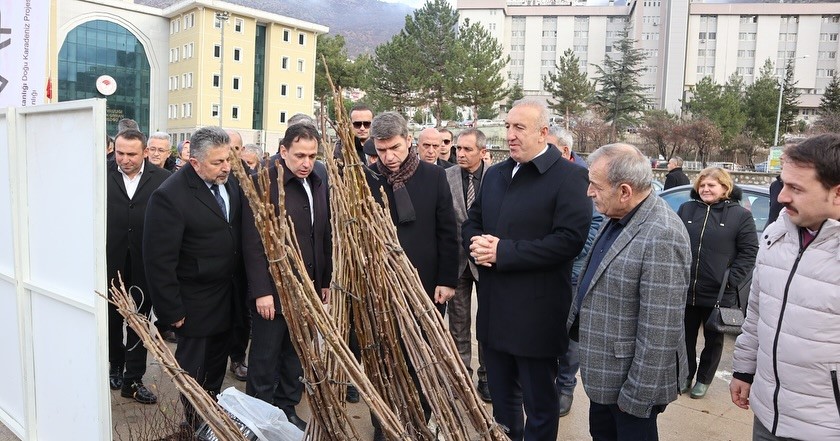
pixel 723 237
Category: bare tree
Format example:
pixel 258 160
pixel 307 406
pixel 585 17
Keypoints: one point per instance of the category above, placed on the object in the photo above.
pixel 704 136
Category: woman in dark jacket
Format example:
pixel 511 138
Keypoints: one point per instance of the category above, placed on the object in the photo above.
pixel 722 234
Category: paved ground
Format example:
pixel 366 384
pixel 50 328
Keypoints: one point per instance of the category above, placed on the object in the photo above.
pixel 713 418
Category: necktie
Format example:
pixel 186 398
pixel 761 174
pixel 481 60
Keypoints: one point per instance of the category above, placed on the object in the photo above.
pixel 470 190
pixel 219 200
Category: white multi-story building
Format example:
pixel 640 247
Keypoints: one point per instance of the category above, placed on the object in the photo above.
pixel 684 41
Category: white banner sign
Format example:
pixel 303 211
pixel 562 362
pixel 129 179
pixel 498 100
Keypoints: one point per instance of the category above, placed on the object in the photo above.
pixel 24 31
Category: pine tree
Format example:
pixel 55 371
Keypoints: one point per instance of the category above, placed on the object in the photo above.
pixel 761 101
pixel 620 95
pixel 830 102
pixel 475 75
pixel 569 86
pixel 516 94
pixel 392 76
pixel 790 100
pixel 431 34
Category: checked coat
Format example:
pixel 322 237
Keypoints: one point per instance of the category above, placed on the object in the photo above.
pixel 631 315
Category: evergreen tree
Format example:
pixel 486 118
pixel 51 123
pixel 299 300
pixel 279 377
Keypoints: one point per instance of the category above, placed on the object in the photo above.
pixel 487 111
pixel 620 95
pixel 392 75
pixel 790 101
pixel 761 100
pixel 569 86
pixel 475 76
pixel 706 96
pixel 830 102
pixel 431 34
pixel 731 116
pixel 342 71
pixel 516 94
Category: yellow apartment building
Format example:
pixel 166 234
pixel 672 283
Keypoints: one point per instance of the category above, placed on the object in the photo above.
pixel 193 64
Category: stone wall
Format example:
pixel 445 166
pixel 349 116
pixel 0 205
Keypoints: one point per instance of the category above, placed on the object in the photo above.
pixel 751 178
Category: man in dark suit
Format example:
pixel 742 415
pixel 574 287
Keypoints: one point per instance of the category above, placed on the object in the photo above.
pixel 675 176
pixel 523 231
pixel 421 208
pixel 305 186
pixel 628 311
pixel 465 183
pixel 131 180
pixel 241 326
pixel 429 143
pixel 193 258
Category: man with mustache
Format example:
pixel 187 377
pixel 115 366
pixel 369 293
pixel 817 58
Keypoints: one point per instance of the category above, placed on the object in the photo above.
pixel 193 258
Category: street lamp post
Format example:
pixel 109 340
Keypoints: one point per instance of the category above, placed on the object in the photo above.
pixel 222 17
pixel 781 95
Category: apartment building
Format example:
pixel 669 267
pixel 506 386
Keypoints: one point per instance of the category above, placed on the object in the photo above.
pixel 193 64
pixel 684 41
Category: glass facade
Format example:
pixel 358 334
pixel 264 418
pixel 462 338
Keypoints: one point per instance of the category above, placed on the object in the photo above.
pixel 259 77
pixel 98 48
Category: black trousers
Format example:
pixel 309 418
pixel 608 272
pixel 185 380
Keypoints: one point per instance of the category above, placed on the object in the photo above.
pixel 129 353
pixel 204 359
pixel 695 318
pixel 240 329
pixel 608 423
pixel 516 381
pixel 274 369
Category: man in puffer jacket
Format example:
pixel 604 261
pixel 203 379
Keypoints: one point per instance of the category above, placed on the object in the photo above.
pixel 787 358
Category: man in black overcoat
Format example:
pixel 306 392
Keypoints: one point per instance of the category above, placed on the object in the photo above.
pixel 131 181
pixel 193 258
pixel 524 230
pixel 305 186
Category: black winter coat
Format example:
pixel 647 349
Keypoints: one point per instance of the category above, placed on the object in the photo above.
pixel 722 235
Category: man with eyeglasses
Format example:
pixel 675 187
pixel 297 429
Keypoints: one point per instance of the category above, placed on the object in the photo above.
pixel 159 151
pixel 447 151
pixel 361 117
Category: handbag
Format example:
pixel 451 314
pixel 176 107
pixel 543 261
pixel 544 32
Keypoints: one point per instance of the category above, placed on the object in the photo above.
pixel 725 320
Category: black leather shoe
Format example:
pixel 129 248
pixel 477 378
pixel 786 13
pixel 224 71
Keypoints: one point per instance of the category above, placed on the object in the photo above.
pixel 239 369
pixel 484 391
pixel 138 392
pixel 115 378
pixel 352 394
pixel 296 420
pixel 566 404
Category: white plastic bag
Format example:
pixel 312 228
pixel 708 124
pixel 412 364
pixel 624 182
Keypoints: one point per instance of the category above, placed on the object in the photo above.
pixel 266 421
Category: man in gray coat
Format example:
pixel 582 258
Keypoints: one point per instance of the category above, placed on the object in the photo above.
pixel 628 310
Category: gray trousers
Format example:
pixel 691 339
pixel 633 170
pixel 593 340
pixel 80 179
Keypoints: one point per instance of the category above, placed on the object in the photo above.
pixel 761 433
pixel 459 309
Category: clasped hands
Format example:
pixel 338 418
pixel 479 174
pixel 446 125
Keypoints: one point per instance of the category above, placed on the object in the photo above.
pixel 483 249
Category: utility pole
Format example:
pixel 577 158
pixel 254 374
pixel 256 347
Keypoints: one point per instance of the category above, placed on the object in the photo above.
pixel 222 17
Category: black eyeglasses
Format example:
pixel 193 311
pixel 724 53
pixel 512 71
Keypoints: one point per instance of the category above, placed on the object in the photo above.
pixel 359 124
pixel 447 141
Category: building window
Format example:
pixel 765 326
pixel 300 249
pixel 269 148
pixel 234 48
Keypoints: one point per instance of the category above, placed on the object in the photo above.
pixel 745 70
pixel 234 112
pixel 282 117
pixel 189 20
pixel 239 25
pixel 214 111
pixel 580 48
pixel 173 55
pixel 300 65
pixel 287 35
pixel 217 23
pixel 581 34
pixel 302 39
pixel 172 111
pixel 284 90
pixel 749 19
pixel 188 110
pixel 237 54
pixel 492 26
pixel 828 37
pixel 831 18
pixel 217 51
pixel 300 92
pixel 827 55
pixel 549 48
pixel 746 36
pixel 284 62
pixel 216 80
pixel 236 81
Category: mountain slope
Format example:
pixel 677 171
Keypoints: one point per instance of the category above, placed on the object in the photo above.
pixel 364 24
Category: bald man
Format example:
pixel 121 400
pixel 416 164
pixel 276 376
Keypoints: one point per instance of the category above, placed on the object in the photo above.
pixel 428 147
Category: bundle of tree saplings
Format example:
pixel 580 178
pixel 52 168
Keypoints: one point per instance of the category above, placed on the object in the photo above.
pixel 209 410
